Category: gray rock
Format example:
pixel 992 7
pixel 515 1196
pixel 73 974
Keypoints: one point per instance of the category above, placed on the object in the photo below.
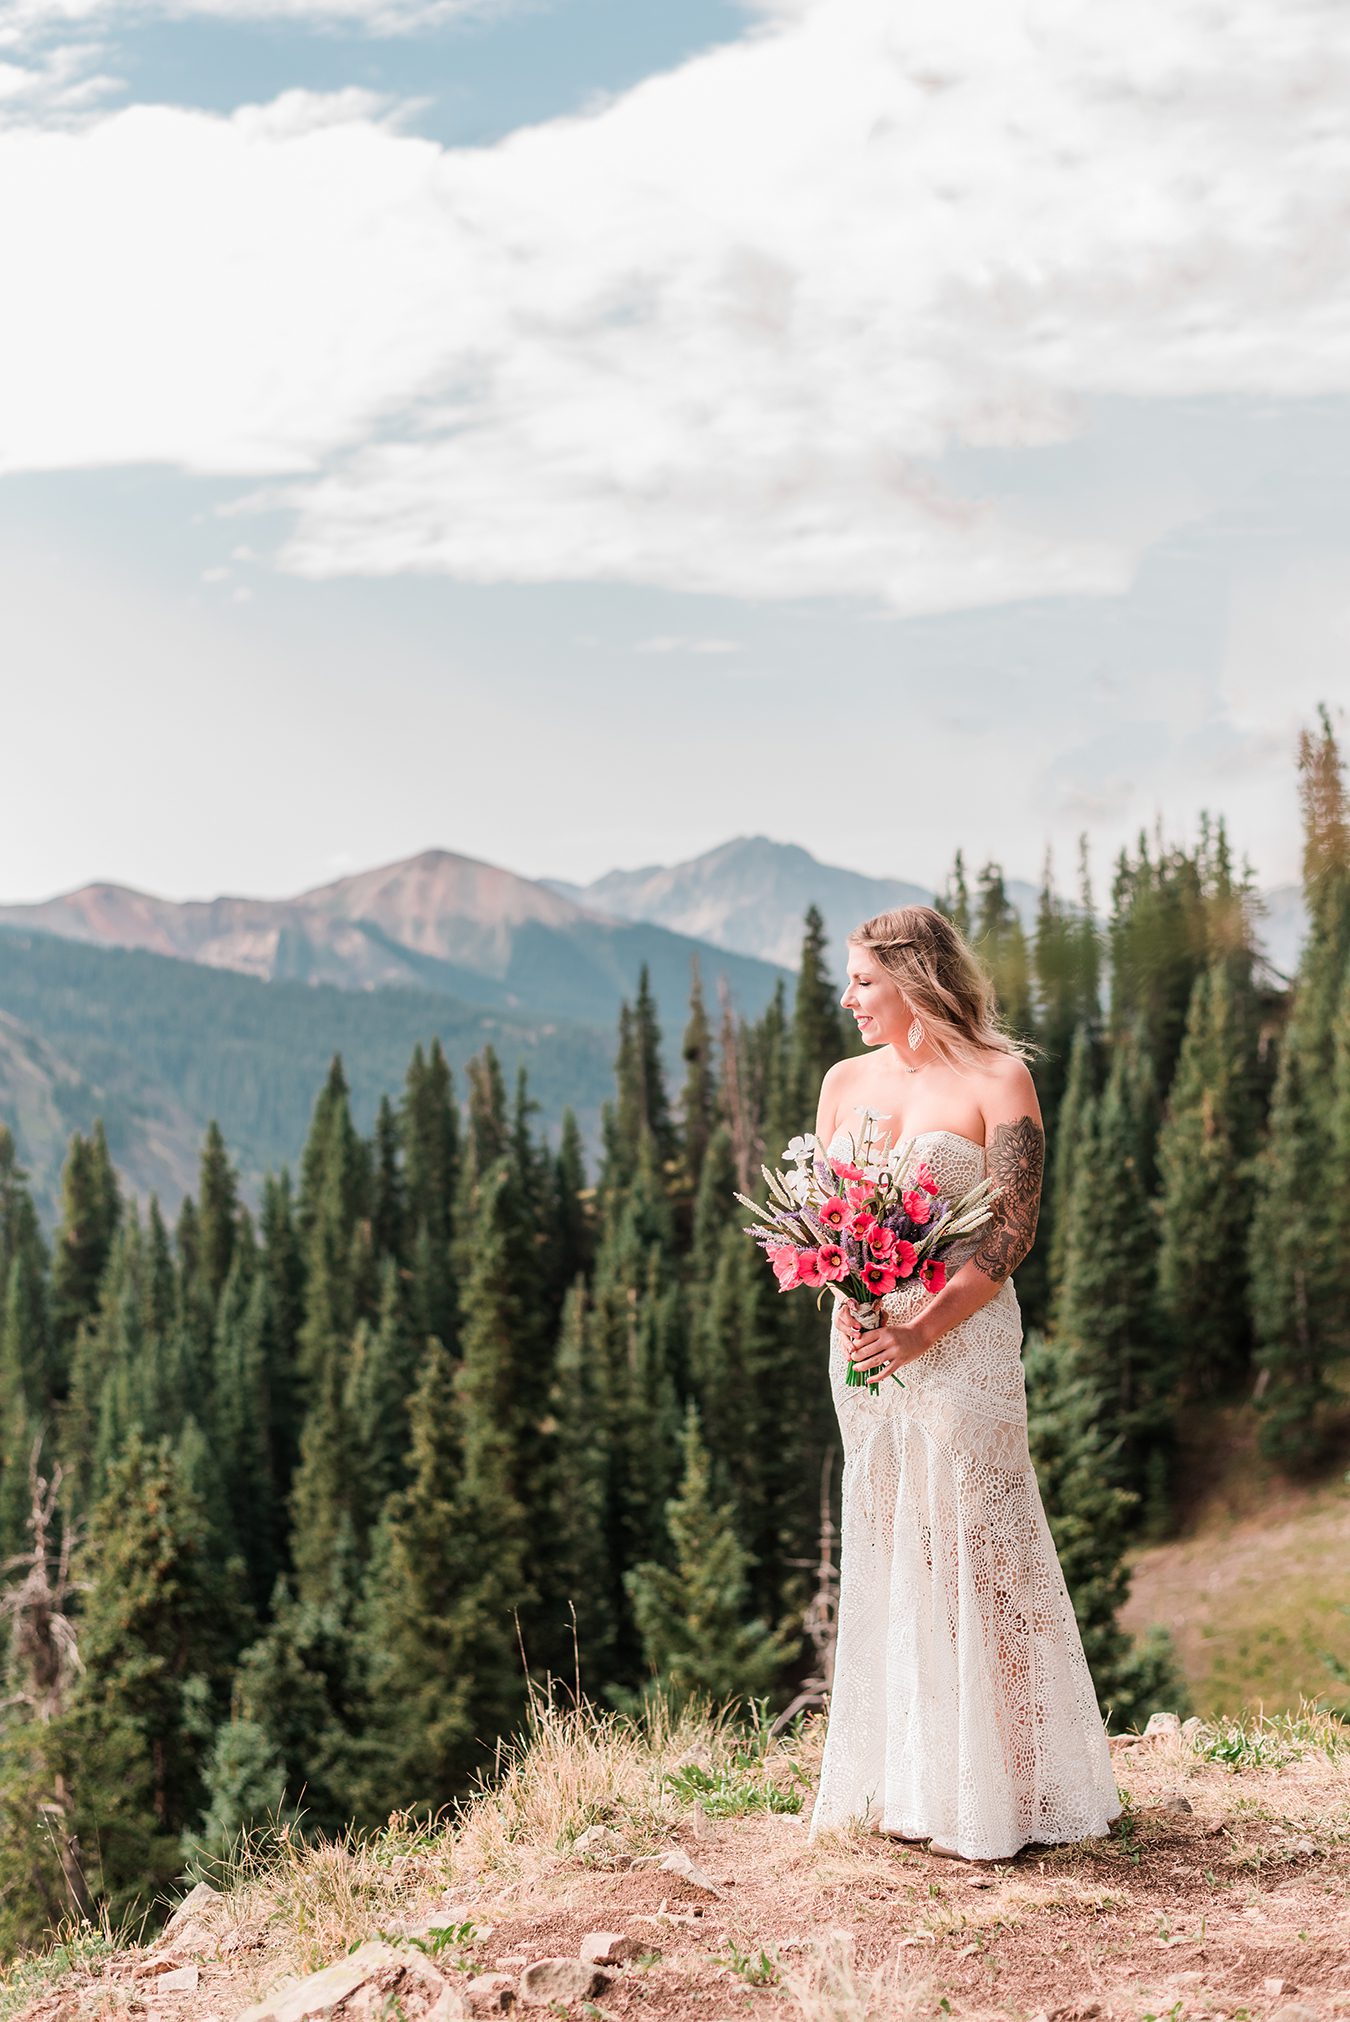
pixel 610 1948
pixel 548 1980
pixel 1176 1801
pixel 1193 1730
pixel 359 1984
pixel 182 1980
pixel 198 1906
pixel 675 1861
pixel 448 2006
pixel 491 1993
pixel 597 1839
pixel 1162 1723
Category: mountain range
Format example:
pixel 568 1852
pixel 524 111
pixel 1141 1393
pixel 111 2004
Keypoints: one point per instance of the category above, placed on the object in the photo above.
pixel 159 1014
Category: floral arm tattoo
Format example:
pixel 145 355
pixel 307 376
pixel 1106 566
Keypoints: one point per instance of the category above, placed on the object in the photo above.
pixel 1017 1162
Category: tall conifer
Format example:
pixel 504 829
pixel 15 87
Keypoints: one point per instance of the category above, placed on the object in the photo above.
pixel 1206 1193
pixel 692 1613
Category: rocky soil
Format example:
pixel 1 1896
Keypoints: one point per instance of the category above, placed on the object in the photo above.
pixel 1224 1893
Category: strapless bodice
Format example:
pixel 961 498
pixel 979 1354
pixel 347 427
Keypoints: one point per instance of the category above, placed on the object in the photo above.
pixel 971 1377
pixel 957 1162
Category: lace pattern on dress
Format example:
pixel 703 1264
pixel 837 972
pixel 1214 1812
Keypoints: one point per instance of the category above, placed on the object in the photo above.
pixel 962 1705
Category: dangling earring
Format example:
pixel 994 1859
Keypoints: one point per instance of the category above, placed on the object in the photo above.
pixel 915 1033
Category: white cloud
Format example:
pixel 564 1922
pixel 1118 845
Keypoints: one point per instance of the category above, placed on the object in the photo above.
pixel 26 21
pixel 712 336
pixel 671 642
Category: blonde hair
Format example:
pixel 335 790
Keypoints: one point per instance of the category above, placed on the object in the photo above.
pixel 928 959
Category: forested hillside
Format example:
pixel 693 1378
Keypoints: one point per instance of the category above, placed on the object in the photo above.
pixel 157 1047
pixel 315 1476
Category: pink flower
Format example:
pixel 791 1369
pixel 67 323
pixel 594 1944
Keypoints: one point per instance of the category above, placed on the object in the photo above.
pixel 833 1213
pixel 933 1273
pixel 783 1257
pixel 861 1225
pixel 917 1206
pixel 832 1262
pixel 924 1177
pixel 808 1267
pixel 857 1195
pixel 878 1279
pixel 882 1242
pixel 905 1258
pixel 845 1170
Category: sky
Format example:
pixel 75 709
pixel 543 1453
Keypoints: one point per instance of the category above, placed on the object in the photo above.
pixel 576 432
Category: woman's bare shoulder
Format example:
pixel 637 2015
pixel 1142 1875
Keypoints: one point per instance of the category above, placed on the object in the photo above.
pixel 1006 1087
pixel 835 1086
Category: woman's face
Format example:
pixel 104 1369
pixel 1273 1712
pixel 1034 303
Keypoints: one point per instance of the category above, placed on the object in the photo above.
pixel 875 1001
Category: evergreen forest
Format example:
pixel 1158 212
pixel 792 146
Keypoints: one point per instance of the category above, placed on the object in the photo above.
pixel 295 1505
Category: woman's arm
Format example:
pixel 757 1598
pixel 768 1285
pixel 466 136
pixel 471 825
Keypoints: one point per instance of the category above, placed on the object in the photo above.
pixel 1015 1138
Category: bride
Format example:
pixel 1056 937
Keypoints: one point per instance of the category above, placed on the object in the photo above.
pixel 962 1712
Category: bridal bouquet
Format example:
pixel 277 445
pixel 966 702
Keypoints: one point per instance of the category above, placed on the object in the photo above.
pixel 860 1225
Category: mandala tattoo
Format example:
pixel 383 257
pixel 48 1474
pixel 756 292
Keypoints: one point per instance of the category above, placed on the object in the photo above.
pixel 1017 1162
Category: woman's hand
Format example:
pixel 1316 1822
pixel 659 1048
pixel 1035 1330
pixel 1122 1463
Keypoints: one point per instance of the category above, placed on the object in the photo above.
pixel 877 1352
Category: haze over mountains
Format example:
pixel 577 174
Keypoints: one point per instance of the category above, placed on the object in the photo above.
pixel 159 1014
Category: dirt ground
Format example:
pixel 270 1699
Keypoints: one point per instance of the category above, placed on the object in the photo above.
pixel 1223 1893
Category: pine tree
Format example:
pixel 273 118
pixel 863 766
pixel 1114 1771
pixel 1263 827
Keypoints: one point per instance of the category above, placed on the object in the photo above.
pixel 635 1348
pixel 1108 1313
pixel 699 1094
pixel 1302 1210
pixel 21 1237
pixel 768 1064
pixel 1001 943
pixel 1067 1142
pixel 156 1618
pixel 388 1194
pixel 765 1458
pixel 576 1575
pixel 325 1492
pixel 301 1688
pixel 573 1210
pixel 432 1158
pixel 334 1167
pixel 954 899
pixel 488 1128
pixel 17 1421
pixel 640 1113
pixel 242 1424
pixel 818 1038
pixel 449 1568
pixel 25 1336
pixel 381 1378
pixel 90 1210
pixel 1297 1288
pixel 217 1216
pixel 1206 1201
pixel 245 1788
pixel 160 1303
pixel 1088 1513
pixel 692 1614
pixel 283 1273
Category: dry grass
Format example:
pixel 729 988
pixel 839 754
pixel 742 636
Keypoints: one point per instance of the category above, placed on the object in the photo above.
pixel 575 1767
pixel 829 1986
pixel 1229 1873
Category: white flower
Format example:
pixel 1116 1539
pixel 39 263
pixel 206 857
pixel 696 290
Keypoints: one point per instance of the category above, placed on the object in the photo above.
pixel 801 1148
pixel 798 1183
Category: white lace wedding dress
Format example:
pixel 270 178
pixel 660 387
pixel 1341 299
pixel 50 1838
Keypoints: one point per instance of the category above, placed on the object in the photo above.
pixel 962 1708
